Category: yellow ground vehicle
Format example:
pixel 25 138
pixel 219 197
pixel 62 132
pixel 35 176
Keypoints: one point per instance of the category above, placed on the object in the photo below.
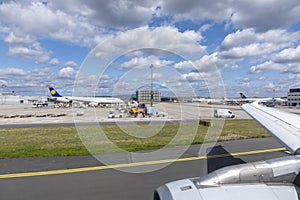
pixel 135 111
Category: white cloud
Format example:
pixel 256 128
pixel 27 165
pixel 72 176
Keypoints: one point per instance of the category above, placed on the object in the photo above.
pixel 67 72
pixel 292 77
pixel 197 76
pixel 143 62
pixel 23 40
pixel 54 61
pixel 122 13
pixel 70 63
pixel 248 43
pixel 193 35
pixel 12 72
pixel 156 76
pixel 37 19
pixel 246 79
pixel 269 65
pixel 286 61
pixel 261 78
pixel 196 10
pixel 41 72
pixel 265 15
pixel 30 82
pixel 205 64
pixel 208 63
pixel 103 77
pixel 184 65
pixel 235 67
pixel 205 27
pixel 25 46
pixel 36 52
pixel 270 86
pixel 158 38
pixel 289 55
pixel 113 13
pixel 27 22
pixel 246 84
pixel 248 51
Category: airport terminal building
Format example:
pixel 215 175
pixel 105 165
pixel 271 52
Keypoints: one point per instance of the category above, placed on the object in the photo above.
pixel 145 95
pixel 293 97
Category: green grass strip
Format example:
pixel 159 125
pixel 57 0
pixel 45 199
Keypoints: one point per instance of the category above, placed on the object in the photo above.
pixel 64 141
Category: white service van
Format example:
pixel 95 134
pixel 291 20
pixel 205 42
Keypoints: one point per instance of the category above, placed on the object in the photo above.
pixel 223 113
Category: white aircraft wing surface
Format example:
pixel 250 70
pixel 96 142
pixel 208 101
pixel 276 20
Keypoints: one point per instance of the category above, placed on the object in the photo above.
pixel 283 125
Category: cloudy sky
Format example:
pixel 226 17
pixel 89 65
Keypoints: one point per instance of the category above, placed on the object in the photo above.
pixel 196 45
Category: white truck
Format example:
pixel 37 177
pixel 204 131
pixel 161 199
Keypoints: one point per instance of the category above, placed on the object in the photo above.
pixel 223 113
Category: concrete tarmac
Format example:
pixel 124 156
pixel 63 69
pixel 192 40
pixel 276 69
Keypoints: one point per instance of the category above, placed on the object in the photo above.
pixel 25 114
pixel 21 114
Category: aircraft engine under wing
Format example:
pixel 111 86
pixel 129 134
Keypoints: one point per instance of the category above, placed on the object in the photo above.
pixel 282 125
pixel 268 180
pixel 228 192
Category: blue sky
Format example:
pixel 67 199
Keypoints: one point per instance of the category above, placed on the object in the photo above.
pixel 197 46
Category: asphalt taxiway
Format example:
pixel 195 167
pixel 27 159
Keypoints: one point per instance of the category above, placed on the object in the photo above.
pixel 84 177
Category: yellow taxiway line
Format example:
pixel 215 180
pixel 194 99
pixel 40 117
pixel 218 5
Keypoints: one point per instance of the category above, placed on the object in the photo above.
pixel 85 169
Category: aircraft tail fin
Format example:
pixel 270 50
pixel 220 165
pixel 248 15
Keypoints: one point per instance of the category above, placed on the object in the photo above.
pixel 53 92
pixel 242 96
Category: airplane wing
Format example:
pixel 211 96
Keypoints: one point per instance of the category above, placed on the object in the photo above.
pixel 284 126
pixel 275 179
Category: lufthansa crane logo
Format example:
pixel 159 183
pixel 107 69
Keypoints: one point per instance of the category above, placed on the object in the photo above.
pixel 53 92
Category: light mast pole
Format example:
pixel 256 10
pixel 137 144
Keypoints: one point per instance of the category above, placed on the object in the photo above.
pixel 151 78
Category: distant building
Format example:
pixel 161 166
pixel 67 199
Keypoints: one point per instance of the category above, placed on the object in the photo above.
pixel 145 95
pixel 293 97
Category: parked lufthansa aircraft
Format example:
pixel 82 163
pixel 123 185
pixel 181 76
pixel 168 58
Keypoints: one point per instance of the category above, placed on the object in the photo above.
pixel 86 100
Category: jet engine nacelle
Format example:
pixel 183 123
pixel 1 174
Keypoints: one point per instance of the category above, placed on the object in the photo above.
pixel 281 172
